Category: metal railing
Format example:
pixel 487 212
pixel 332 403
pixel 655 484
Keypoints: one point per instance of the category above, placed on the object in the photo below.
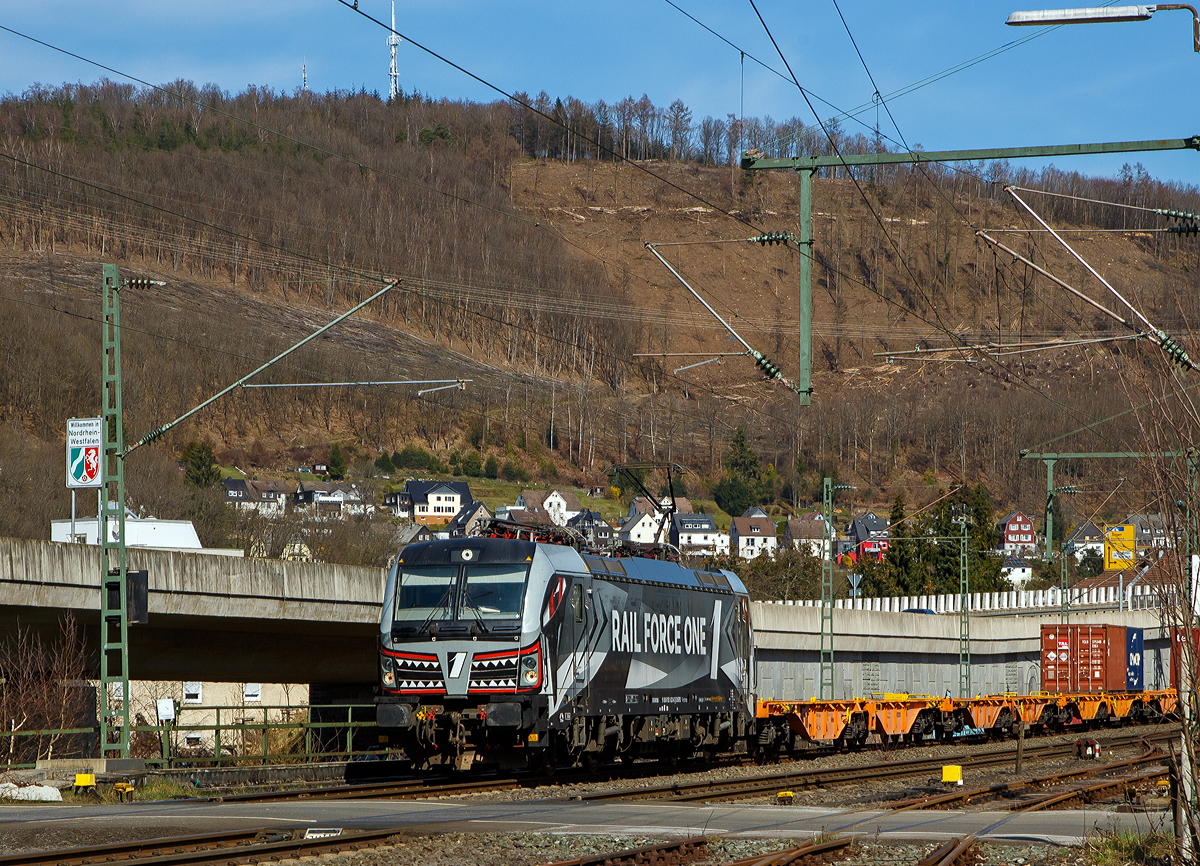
pixel 224 736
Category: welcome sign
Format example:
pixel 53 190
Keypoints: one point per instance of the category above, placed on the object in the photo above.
pixel 85 442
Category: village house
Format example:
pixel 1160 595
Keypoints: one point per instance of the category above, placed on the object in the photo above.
pixel 1016 534
pixel 752 536
pixel 594 528
pixel 698 534
pixel 810 532
pixel 327 500
pixel 1087 537
pixel 560 505
pixel 465 524
pixel 868 536
pixel 429 502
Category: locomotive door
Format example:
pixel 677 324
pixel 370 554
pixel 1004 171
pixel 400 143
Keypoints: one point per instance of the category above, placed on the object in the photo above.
pixel 577 628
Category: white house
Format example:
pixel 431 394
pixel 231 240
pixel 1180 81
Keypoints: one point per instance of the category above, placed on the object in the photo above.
pixel 752 536
pixel 810 532
pixel 1018 571
pixel 641 529
pixel 560 505
pixel 698 533
pixel 332 499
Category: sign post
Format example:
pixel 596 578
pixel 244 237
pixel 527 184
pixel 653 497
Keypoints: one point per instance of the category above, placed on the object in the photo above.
pixel 84 444
pixel 1119 546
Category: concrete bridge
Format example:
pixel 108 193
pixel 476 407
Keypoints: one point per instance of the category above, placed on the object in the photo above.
pixel 216 618
pixel 211 618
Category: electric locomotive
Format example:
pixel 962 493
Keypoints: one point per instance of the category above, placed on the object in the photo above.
pixel 513 653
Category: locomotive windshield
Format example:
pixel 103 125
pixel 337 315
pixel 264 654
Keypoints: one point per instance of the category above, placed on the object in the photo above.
pixel 426 593
pixel 492 591
pixel 441 593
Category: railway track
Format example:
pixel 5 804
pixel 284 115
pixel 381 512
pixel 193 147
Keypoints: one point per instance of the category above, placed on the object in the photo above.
pixel 956 852
pixel 238 848
pixel 727 789
pixel 685 850
pixel 1054 780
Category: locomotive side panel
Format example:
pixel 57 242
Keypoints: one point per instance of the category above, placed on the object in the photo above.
pixel 627 647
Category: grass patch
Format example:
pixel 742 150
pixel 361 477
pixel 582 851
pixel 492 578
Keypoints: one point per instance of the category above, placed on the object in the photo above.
pixel 1120 847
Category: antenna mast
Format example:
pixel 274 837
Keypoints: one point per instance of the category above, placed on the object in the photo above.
pixel 394 75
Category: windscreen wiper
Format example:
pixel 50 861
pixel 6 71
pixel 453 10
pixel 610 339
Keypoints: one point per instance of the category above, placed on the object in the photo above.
pixel 467 604
pixel 441 605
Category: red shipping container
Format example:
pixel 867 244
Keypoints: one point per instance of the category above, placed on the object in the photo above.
pixel 1083 658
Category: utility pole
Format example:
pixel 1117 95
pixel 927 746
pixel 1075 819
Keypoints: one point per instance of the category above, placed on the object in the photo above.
pixel 114 611
pixel 806 168
pixel 964 614
pixel 827 596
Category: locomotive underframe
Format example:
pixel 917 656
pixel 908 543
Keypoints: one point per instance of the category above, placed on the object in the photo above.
pixel 518 732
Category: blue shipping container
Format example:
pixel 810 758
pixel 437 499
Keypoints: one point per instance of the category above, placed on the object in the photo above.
pixel 1133 664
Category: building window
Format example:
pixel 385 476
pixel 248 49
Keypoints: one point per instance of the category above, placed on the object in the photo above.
pixel 252 693
pixel 193 693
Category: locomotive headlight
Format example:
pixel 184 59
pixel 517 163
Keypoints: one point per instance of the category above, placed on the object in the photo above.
pixel 529 674
pixel 389 678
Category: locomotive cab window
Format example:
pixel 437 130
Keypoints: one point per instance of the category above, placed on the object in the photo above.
pixel 425 592
pixel 577 602
pixel 492 591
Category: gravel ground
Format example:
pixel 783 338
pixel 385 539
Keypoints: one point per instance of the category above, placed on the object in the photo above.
pixel 537 849
pixel 858 794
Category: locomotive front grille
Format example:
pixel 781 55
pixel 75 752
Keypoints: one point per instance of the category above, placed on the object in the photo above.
pixel 494 671
pixel 418 673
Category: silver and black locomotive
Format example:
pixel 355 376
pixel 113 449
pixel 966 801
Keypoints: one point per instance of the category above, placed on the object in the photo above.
pixel 514 653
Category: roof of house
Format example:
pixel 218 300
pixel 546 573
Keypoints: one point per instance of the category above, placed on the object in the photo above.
pixel 867 525
pixel 466 514
pixel 1013 562
pixel 527 516
pixel 754 526
pixel 1153 573
pixel 683 505
pixel 412 532
pixel 537 498
pixel 806 527
pixel 1084 532
pixel 420 491
pixel 586 518
pixel 1008 517
pixel 236 485
pixel 755 511
pixel 694 523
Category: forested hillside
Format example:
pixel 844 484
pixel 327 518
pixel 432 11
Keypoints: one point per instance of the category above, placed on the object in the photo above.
pixel 519 247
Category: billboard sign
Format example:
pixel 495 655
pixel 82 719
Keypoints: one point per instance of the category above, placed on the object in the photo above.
pixel 85 450
pixel 1119 544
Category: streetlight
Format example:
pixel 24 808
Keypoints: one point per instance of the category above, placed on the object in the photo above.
pixel 1101 15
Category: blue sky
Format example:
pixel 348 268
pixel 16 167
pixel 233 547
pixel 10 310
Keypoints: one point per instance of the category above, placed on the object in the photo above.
pixel 1080 83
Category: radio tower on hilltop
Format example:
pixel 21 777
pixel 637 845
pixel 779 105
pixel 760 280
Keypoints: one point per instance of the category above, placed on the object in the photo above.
pixel 394 75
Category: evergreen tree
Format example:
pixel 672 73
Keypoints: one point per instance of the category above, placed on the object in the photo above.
pixel 201 469
pixel 384 464
pixel 741 461
pixel 337 463
pixel 492 467
pixel 734 495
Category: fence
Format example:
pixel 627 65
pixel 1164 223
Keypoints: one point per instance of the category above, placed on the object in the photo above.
pixel 1134 597
pixel 302 734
